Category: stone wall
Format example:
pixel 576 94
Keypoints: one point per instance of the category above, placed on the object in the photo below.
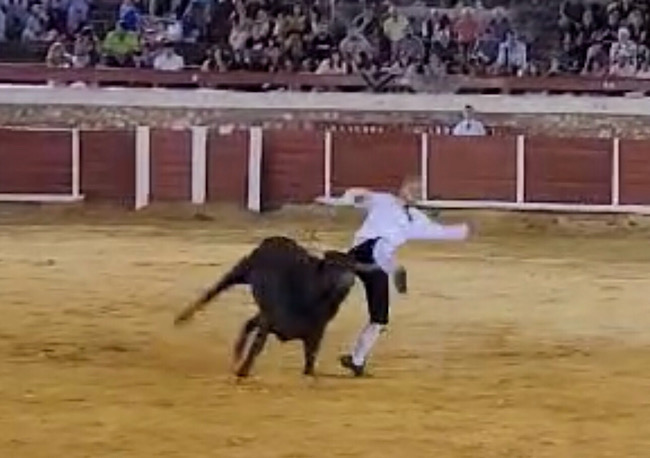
pixel 555 116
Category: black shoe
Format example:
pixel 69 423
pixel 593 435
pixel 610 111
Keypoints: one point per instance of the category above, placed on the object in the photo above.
pixel 346 362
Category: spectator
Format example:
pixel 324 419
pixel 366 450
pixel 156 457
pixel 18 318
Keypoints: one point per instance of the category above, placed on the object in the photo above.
pixel 597 61
pixel 168 59
pixel 644 68
pixel 128 15
pixel 195 20
pixel 395 27
pixel 445 48
pixel 512 58
pixel 57 57
pixel 571 13
pixel 85 49
pixel 215 61
pixel 469 126
pixel 120 47
pixel 35 24
pixel 332 65
pixel 322 44
pixel 500 24
pixel 3 22
pixel 623 55
pixel 353 45
pixel 78 11
pixel 487 48
pixel 466 29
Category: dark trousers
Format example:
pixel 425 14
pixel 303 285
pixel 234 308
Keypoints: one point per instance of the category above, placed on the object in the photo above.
pixel 375 283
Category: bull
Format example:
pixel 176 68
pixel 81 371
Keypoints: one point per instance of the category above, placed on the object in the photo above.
pixel 297 294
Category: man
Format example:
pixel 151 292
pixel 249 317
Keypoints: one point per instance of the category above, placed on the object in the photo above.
pixel 120 47
pixel 513 56
pixel 168 60
pixel 390 222
pixel 469 126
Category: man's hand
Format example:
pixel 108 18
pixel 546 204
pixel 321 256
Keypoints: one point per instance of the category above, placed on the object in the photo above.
pixel 399 279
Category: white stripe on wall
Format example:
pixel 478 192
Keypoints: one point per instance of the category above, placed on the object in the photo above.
pixel 142 166
pixel 255 169
pixel 199 163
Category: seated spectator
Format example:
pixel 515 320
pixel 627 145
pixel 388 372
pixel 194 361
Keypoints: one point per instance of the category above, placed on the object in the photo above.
pixel 353 45
pixel 445 48
pixel 168 59
pixel 322 44
pixel 3 22
pixel 596 61
pixel 466 29
pixel 469 126
pixel 644 70
pixel 623 55
pixel 637 26
pixel 78 11
pixel 394 28
pixel 195 20
pixel 129 16
pixel 85 52
pixel 215 61
pixel 120 47
pixel 410 47
pixel 57 57
pixel 35 25
pixel 332 65
pixel 486 50
pixel 512 58
pixel 571 15
pixel 571 59
pixel 500 24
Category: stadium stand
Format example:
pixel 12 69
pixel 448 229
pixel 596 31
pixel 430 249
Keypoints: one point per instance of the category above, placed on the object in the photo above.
pixel 402 45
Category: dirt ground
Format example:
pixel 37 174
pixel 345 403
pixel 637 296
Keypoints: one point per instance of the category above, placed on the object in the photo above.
pixel 531 340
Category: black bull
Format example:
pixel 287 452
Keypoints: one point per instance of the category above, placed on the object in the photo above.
pixel 297 295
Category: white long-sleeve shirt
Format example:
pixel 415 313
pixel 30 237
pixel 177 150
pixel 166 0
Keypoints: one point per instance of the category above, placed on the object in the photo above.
pixel 390 221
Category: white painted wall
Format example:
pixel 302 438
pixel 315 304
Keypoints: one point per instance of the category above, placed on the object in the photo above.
pixel 206 98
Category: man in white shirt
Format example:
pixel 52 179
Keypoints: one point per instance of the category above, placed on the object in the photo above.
pixel 168 60
pixel 469 126
pixel 390 222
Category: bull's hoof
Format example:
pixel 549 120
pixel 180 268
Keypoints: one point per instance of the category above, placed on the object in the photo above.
pixel 309 372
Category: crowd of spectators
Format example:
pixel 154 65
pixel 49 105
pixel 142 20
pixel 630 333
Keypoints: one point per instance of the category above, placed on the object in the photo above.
pixel 604 38
pixel 381 44
pixel 270 35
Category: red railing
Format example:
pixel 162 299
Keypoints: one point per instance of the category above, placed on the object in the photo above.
pixel 39 74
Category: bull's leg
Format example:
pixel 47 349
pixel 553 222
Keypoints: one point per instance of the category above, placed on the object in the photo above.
pixel 260 333
pixel 241 341
pixel 311 346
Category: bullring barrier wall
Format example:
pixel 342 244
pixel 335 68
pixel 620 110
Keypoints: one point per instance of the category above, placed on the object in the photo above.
pixel 265 168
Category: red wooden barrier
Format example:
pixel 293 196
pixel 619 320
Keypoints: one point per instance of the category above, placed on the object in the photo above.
pixel 378 161
pixel 574 170
pixel 108 166
pixel 293 166
pixel 635 172
pixel 227 166
pixel 472 168
pixel 35 161
pixel 171 165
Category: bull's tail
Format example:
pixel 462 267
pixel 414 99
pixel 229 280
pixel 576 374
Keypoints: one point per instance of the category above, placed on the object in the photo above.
pixel 238 275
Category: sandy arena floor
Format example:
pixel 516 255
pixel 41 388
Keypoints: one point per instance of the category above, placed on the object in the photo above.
pixel 518 344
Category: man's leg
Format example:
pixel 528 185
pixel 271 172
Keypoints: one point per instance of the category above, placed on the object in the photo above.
pixel 377 295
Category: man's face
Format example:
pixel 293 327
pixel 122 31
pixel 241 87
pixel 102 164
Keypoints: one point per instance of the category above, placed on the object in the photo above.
pixel 411 190
pixel 468 113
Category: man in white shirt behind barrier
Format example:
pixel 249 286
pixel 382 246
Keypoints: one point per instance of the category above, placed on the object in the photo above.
pixel 390 222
